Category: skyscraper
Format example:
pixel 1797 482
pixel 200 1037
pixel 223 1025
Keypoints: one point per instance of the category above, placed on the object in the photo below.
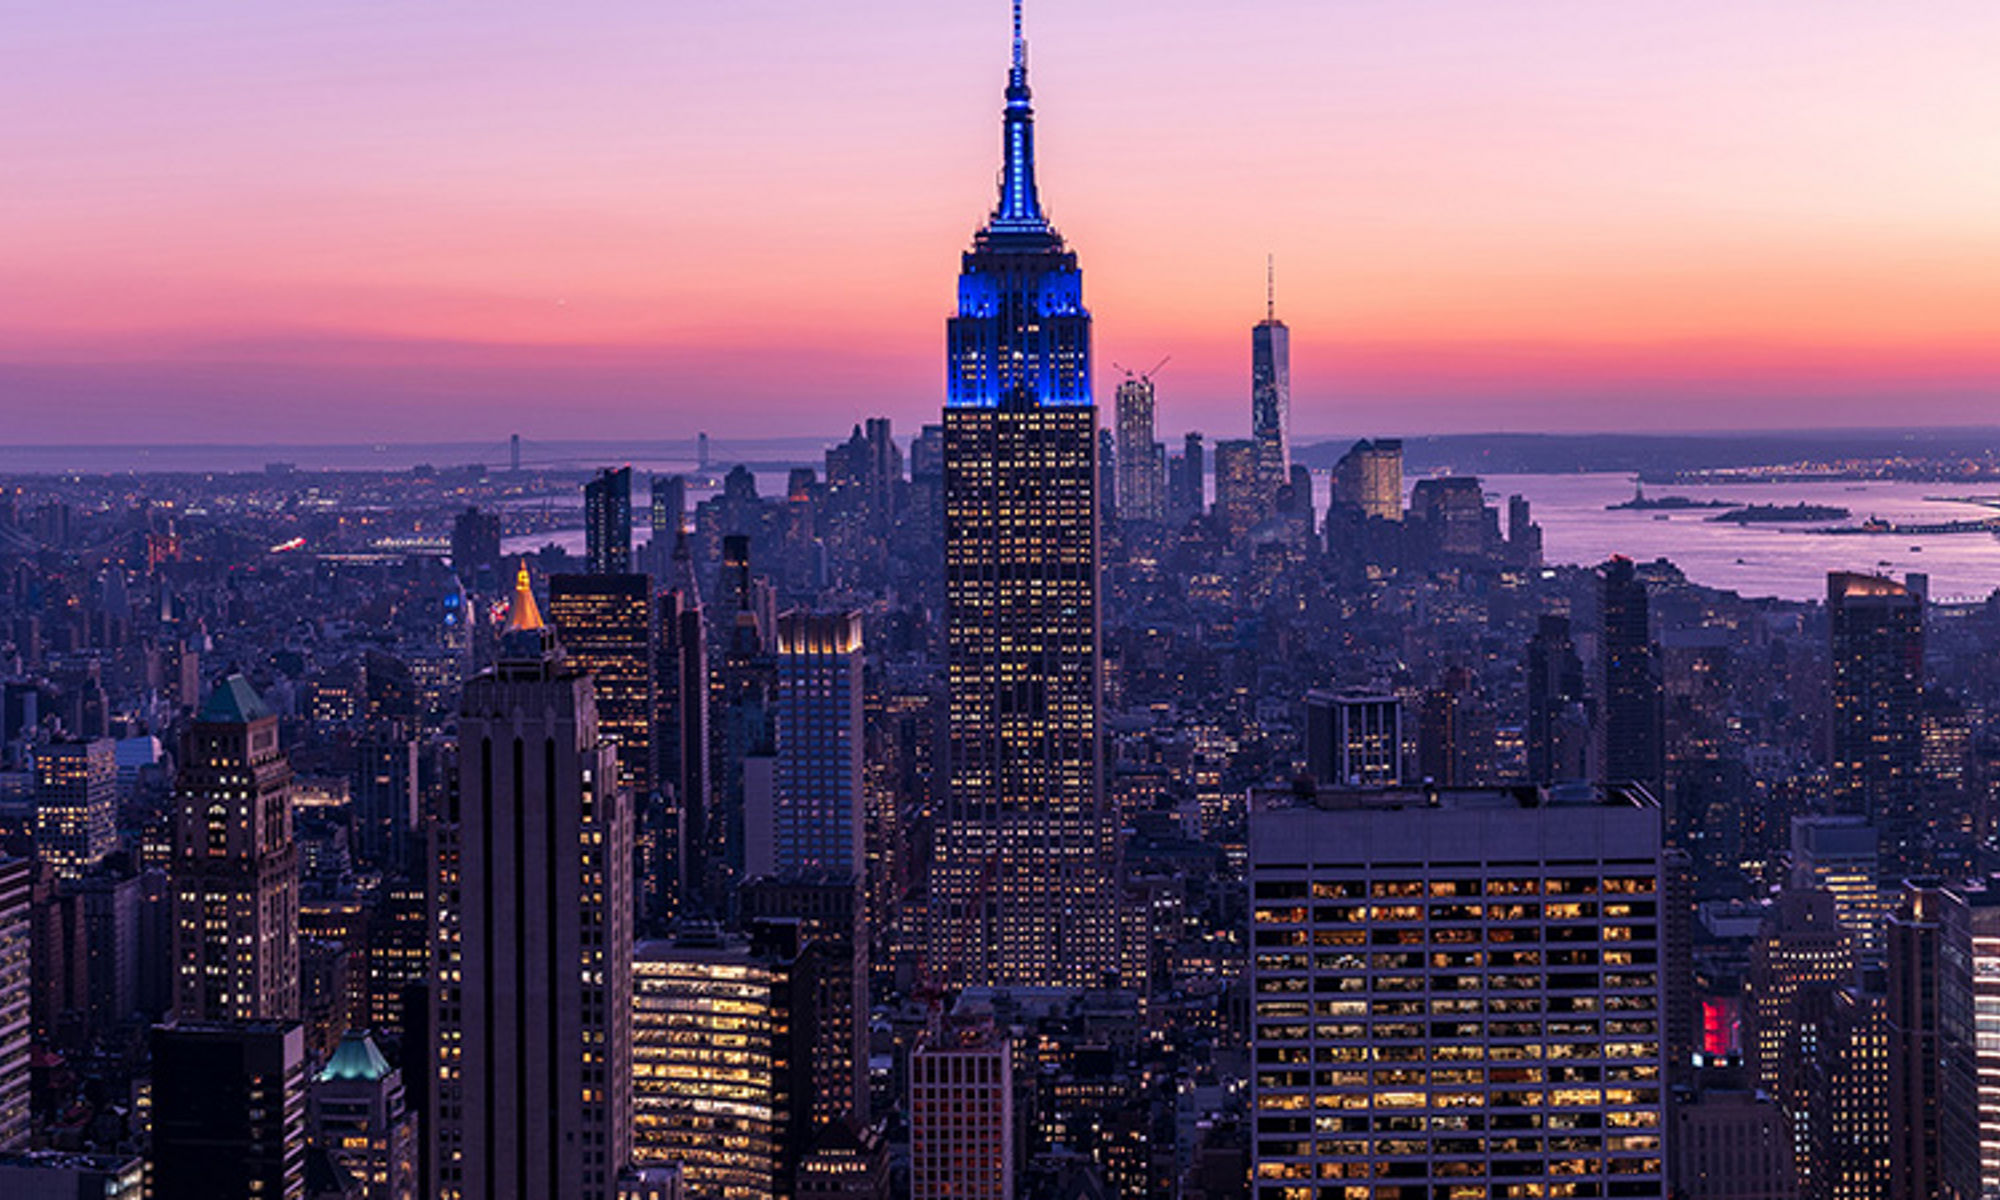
pixel 235 868
pixel 1141 489
pixel 1271 398
pixel 1459 986
pixel 76 804
pixel 475 543
pixel 1558 723
pixel 607 522
pixel 606 626
pixel 962 1116
pixel 1023 889
pixel 532 949
pixel 1354 738
pixel 1190 480
pixel 1369 477
pixel 817 822
pixel 722 1028
pixel 1912 1015
pixel 1634 716
pixel 1876 631
pixel 359 1116
pixel 1241 499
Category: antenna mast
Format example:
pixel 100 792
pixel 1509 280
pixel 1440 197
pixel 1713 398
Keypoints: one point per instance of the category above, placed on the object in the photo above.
pixel 1270 287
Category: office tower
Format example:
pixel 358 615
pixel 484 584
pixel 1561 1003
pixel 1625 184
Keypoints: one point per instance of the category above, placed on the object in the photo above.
pixel 607 522
pixel 1190 493
pixel 1240 501
pixel 1455 731
pixel 385 792
pixel 1876 661
pixel 1839 855
pixel 1354 738
pixel 235 868
pixel 962 1116
pixel 1271 396
pixel 1912 1018
pixel 1107 476
pixel 533 935
pixel 358 1115
pixel 1524 537
pixel 1369 477
pixel 229 1111
pixel 722 1030
pixel 742 705
pixel 1558 725
pixel 1634 716
pixel 668 514
pixel 605 625
pixel 1141 489
pixel 1024 885
pixel 1458 986
pixel 846 1162
pixel 1448 518
pixel 829 913
pixel 1968 1001
pixel 76 804
pixel 817 823
pixel 475 543
pixel 16 986
pixel 1842 1066
pixel 1801 949
pixel 678 876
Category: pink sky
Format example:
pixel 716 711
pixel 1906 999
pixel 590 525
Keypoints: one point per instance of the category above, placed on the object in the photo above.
pixel 378 221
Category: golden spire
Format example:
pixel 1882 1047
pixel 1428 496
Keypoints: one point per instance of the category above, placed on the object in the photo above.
pixel 523 614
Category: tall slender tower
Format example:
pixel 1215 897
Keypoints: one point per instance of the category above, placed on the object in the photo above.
pixel 1141 486
pixel 607 521
pixel 1023 887
pixel 1271 393
pixel 532 930
pixel 1876 652
pixel 236 868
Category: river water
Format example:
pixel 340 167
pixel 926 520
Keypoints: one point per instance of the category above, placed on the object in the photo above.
pixel 1782 560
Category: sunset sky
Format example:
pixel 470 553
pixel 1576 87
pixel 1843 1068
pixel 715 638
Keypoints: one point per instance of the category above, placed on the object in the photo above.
pixel 369 220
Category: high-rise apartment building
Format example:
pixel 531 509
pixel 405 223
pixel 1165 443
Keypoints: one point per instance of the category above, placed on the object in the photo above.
pixel 235 867
pixel 532 950
pixel 722 1030
pixel 16 1000
pixel 1369 477
pixel 1634 713
pixel 76 804
pixel 1142 485
pixel 607 522
pixel 229 1111
pixel 1459 990
pixel 1024 885
pixel 1876 660
pixel 962 1137
pixel 1354 739
pixel 1271 398
pixel 606 626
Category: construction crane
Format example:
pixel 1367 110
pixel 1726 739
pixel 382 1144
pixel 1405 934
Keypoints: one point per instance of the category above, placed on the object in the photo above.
pixel 1145 375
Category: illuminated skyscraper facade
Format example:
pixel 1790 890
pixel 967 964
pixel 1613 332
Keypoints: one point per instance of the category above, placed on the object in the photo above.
pixel 1457 993
pixel 236 867
pixel 606 625
pixel 1370 477
pixel 1271 400
pixel 1024 885
pixel 1142 462
pixel 1876 635
pixel 76 805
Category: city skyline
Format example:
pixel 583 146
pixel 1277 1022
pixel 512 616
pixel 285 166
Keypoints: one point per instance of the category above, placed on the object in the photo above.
pixel 1549 218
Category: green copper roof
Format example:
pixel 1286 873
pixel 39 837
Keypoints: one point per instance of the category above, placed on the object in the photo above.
pixel 234 702
pixel 355 1058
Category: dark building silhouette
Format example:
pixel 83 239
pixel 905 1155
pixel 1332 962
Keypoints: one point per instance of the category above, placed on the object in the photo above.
pixel 475 543
pixel 1876 691
pixel 607 522
pixel 1558 724
pixel 1634 716
pixel 229 1111
pixel 678 834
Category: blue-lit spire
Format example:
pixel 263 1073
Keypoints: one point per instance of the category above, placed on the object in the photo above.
pixel 1020 210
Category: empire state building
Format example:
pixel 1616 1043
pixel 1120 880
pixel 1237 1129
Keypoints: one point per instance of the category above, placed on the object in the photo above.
pixel 1024 881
